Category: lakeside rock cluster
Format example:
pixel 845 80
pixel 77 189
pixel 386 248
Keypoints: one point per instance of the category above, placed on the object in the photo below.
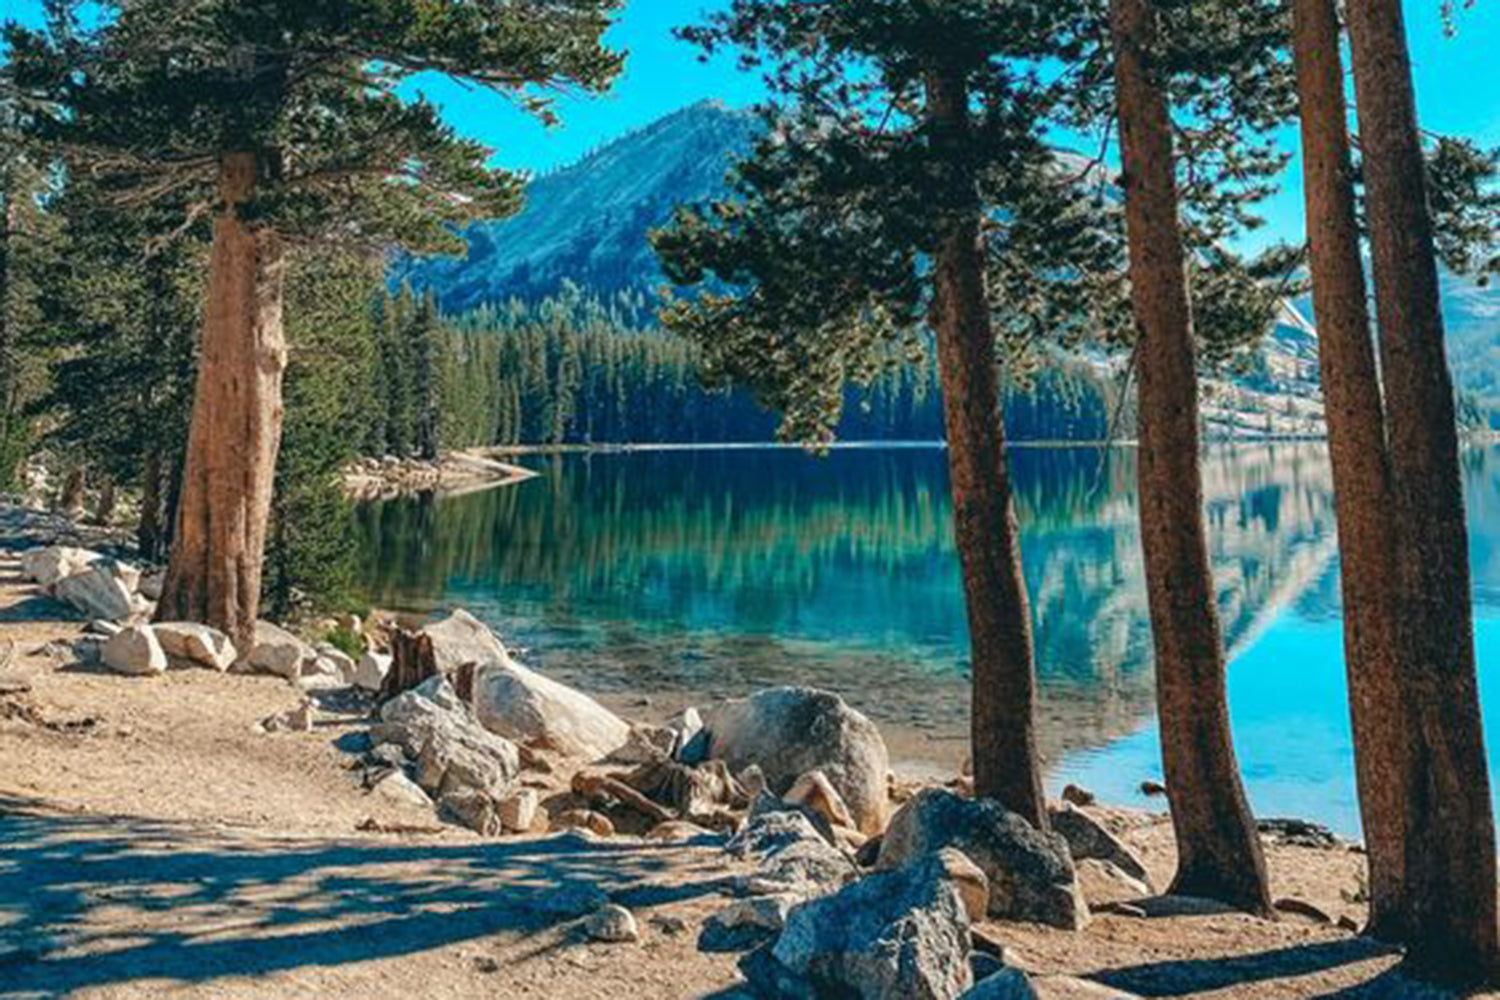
pixel 454 472
pixel 853 884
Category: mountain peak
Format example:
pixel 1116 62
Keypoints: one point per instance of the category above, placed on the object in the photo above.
pixel 587 223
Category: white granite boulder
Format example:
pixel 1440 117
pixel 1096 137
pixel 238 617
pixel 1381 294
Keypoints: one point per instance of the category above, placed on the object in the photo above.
pixel 278 652
pixel 790 731
pixel 199 644
pixel 134 652
pixel 523 705
pixel 50 565
pixel 101 590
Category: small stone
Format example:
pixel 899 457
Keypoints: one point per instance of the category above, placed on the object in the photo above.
pixel 753 780
pixel 747 923
pixel 397 787
pixel 583 819
pixel 1078 796
pixel 1153 788
pixel 293 720
pixel 669 925
pixel 472 809
pixel 486 965
pixel 612 924
pixel 1349 924
pixel 518 810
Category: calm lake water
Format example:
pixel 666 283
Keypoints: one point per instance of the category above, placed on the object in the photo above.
pixel 691 575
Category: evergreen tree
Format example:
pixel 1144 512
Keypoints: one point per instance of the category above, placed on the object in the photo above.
pixel 287 120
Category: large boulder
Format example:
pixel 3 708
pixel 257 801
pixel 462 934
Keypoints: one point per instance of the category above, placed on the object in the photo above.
pixel 102 590
pixel 901 933
pixel 201 644
pixel 370 673
pixel 50 565
pixel 461 638
pixel 455 755
pixel 789 731
pixel 277 651
pixel 134 651
pixel 1031 873
pixel 522 705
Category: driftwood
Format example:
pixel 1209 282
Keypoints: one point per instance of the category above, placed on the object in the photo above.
pixel 414 662
pixel 593 787
pixel 692 791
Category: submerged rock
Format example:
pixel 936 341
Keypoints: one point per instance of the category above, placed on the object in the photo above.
pixel 1031 873
pixel 789 731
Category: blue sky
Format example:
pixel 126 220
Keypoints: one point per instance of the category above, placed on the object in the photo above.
pixel 1458 90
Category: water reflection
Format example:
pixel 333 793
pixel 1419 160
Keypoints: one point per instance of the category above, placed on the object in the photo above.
pixel 713 573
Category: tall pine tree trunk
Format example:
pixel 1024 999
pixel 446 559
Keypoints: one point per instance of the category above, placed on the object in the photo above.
pixel 1219 852
pixel 1449 828
pixel 1003 729
pixel 218 548
pixel 1358 450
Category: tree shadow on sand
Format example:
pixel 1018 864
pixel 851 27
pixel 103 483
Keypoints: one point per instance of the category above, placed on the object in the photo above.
pixel 87 901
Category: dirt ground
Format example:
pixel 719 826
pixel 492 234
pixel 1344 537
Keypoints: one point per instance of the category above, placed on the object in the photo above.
pixel 155 844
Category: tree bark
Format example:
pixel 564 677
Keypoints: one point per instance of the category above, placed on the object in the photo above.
pixel 1357 447
pixel 1450 914
pixel 218 548
pixel 148 533
pixel 71 500
pixel 1003 731
pixel 1219 852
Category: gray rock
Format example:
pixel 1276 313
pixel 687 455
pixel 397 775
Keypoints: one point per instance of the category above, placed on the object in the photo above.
pixel 902 933
pixel 397 787
pixel 646 744
pixel 788 731
pixel 371 671
pixel 747 923
pixel 99 591
pixel 294 720
pixel 807 868
pixel 200 644
pixel 1031 873
pixel 767 831
pixel 1007 984
pixel 1088 838
pixel 52 564
pixel 473 809
pixel 454 753
pixel 277 651
pixel 135 652
pixel 692 738
pixel 612 924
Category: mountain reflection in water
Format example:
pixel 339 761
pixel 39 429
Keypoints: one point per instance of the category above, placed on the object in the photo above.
pixel 690 575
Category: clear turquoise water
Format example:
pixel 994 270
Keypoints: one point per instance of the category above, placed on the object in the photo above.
pixel 701 574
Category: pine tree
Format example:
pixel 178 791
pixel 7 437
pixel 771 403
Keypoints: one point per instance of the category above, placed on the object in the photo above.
pixel 876 158
pixel 287 120
pixel 1447 819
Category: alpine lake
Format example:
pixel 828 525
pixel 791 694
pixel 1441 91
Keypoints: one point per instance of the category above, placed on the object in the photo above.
pixel 680 576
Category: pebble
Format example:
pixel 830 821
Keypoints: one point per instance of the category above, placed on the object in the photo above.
pixel 612 924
